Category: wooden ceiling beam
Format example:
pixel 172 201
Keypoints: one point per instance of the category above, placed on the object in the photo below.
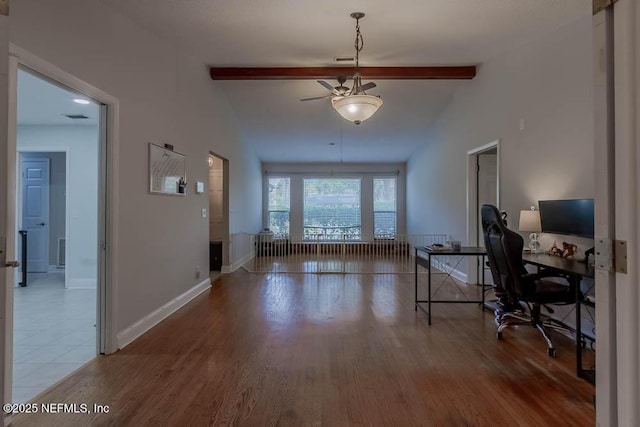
pixel 313 73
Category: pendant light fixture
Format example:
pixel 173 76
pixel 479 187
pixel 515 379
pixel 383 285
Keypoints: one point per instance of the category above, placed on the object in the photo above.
pixel 357 106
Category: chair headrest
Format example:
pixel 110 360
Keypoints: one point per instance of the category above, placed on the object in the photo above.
pixel 491 215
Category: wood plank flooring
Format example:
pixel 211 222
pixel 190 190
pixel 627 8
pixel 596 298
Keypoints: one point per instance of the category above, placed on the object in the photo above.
pixel 326 350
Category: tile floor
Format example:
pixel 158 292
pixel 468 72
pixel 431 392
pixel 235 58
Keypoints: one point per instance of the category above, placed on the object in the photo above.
pixel 54 333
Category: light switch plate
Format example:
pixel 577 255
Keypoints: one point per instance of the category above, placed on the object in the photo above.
pixel 199 187
pixel 204 212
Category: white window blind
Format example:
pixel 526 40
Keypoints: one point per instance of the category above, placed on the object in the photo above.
pixel 384 208
pixel 331 209
pixel 279 205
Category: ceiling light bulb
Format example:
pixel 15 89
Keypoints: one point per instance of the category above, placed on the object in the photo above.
pixel 82 101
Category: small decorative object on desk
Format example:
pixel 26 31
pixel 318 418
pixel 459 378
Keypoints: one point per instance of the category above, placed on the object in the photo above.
pixel 553 250
pixel 436 247
pixel 568 250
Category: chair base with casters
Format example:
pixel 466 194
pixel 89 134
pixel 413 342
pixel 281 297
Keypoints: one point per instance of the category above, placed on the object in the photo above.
pixel 519 317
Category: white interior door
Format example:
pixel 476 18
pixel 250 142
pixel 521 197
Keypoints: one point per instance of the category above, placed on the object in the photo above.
pixel 487 186
pixel 5 182
pixel 35 212
pixel 626 51
pixel 487 194
pixel 604 144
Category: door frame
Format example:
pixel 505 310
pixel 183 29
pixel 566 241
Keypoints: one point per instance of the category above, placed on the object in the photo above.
pixel 226 242
pixel 106 317
pixel 472 197
pixel 19 195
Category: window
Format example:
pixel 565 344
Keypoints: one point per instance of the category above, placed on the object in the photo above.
pixel 279 206
pixel 331 209
pixel 384 208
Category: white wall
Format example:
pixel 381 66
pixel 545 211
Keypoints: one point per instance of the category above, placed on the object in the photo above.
pixel 82 143
pixel 164 97
pixel 548 83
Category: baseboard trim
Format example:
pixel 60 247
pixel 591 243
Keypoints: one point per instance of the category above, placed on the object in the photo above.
pixel 457 274
pixel 460 276
pixel 128 335
pixel 236 265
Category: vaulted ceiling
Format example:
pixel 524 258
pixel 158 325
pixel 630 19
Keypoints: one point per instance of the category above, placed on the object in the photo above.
pixel 312 33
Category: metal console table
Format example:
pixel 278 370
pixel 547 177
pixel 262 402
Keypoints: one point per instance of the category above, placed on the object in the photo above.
pixel 426 263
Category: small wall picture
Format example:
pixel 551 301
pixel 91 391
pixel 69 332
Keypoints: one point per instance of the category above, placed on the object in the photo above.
pixel 167 171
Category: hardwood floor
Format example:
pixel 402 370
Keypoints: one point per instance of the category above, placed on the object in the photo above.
pixel 333 350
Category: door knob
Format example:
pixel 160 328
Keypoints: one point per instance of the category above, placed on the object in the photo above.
pixel 42 223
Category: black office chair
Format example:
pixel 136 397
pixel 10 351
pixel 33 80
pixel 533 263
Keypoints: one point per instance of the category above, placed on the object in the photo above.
pixel 504 252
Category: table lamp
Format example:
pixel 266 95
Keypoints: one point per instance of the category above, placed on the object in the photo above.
pixel 530 221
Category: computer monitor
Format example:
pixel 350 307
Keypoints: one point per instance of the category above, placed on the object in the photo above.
pixel 573 217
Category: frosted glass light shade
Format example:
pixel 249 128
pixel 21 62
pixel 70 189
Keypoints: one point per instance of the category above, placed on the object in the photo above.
pixel 356 108
pixel 530 221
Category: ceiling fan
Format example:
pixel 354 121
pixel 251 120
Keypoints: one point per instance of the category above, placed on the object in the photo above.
pixel 353 104
pixel 340 90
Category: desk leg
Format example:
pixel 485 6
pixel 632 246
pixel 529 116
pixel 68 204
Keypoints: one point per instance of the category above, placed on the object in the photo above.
pixel 576 283
pixel 482 274
pixel 429 286
pixel 415 306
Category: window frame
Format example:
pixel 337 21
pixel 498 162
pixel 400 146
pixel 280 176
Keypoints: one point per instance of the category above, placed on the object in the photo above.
pixel 268 211
pixel 304 205
pixel 395 207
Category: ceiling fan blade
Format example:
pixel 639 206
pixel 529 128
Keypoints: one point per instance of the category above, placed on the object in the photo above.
pixel 326 85
pixel 317 97
pixel 368 86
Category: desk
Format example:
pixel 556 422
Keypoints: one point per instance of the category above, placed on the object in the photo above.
pixel 575 270
pixel 426 263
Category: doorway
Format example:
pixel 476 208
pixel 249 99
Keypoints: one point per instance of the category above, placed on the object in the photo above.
pixel 55 328
pixel 42 213
pixel 218 215
pixel 483 187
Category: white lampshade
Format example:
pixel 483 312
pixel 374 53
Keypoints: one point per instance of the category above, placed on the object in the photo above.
pixel 530 221
pixel 356 108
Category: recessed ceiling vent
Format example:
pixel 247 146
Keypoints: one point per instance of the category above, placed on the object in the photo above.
pixel 76 116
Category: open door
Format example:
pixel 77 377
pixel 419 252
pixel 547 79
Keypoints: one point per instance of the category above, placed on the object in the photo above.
pixel 6 246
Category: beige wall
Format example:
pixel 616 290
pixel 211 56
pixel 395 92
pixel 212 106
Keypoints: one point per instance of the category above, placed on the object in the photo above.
pixel 548 83
pixel 164 97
